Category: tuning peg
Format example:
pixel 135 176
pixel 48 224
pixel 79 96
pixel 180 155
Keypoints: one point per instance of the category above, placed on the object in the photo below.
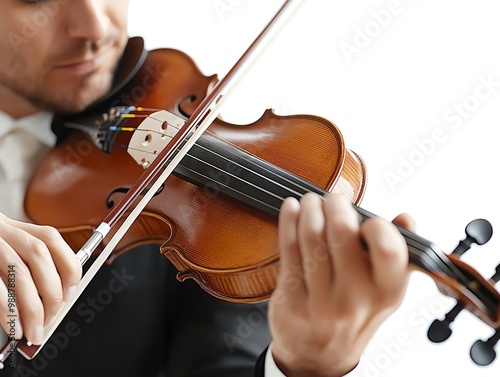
pixel 496 276
pixel 440 330
pixel 478 231
pixel 483 352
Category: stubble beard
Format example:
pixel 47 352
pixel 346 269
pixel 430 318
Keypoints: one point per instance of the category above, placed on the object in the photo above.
pixel 53 95
pixel 88 89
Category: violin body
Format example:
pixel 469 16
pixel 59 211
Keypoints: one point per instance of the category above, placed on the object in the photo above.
pixel 228 247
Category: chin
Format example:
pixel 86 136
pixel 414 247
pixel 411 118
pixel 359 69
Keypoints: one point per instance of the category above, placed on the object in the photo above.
pixel 77 99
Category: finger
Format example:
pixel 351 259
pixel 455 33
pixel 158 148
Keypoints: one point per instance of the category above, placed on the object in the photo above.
pixel 67 264
pixel 406 221
pixel 27 300
pixel 342 234
pixel 290 285
pixel 38 259
pixel 316 262
pixel 388 256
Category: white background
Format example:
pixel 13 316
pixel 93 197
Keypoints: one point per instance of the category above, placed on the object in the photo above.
pixel 415 63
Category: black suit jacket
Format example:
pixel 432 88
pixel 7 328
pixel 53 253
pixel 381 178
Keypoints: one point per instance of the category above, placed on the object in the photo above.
pixel 136 320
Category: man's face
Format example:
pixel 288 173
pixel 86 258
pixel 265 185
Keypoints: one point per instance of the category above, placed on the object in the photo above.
pixel 60 55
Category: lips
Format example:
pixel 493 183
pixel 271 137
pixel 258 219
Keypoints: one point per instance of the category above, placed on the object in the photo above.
pixel 84 66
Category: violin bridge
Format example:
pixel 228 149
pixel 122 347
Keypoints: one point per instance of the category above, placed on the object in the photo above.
pixel 153 135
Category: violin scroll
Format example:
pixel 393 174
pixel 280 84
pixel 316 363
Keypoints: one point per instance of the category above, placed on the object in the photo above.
pixel 487 305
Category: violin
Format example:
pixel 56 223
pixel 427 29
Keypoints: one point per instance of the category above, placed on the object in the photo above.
pixel 228 246
pixel 216 215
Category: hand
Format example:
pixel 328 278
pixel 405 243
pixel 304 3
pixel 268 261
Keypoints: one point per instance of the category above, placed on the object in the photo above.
pixel 332 293
pixel 43 269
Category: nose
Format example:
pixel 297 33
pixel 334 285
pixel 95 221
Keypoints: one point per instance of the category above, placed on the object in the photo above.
pixel 87 19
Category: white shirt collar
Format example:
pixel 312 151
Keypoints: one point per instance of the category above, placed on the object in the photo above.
pixel 38 125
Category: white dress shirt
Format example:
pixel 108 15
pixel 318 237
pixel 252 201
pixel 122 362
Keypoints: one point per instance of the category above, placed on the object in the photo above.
pixel 23 143
pixel 272 370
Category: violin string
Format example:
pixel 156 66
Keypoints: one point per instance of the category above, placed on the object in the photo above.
pixel 290 187
pixel 131 129
pixel 134 129
pixel 253 197
pixel 297 187
pixel 297 191
pixel 142 109
pixel 436 260
pixel 138 150
pixel 294 189
pixel 141 116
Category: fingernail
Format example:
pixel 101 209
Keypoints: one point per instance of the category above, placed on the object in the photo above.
pixel 37 335
pixel 70 293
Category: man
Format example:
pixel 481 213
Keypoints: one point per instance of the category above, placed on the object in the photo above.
pixel 135 319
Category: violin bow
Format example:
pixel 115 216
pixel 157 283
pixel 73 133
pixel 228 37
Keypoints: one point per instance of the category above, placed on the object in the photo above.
pixel 157 173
